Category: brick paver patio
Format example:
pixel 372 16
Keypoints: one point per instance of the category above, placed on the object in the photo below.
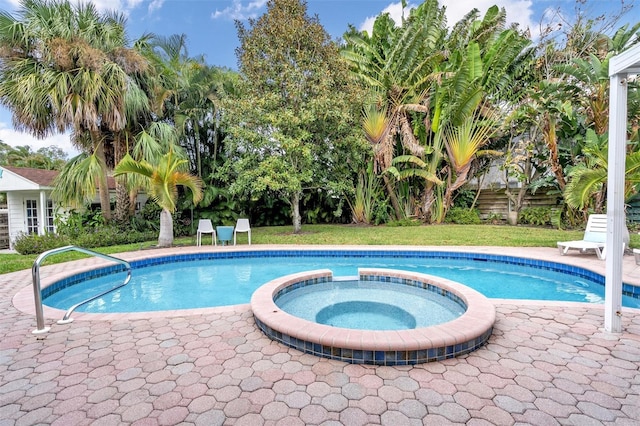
pixel 546 363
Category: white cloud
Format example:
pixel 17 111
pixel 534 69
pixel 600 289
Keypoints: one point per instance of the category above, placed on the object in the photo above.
pixel 113 5
pixel 520 11
pixel 395 12
pixel 155 5
pixel 239 11
pixel 14 138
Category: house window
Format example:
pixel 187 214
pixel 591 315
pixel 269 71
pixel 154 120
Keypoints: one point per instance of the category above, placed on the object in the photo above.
pixel 32 217
pixel 49 222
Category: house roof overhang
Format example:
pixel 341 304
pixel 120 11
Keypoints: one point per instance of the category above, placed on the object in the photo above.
pixel 28 179
pixel 25 179
pixel 627 62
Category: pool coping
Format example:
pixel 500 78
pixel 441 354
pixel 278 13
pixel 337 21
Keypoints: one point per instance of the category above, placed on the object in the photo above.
pixel 23 300
pixel 383 347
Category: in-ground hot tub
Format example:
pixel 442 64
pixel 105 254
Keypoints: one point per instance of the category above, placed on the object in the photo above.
pixel 406 344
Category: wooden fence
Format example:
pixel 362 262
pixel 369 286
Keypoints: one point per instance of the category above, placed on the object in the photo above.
pixel 496 202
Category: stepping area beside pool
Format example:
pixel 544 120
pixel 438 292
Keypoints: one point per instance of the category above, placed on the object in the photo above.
pixel 545 363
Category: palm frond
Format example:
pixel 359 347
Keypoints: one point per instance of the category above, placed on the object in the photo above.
pixel 582 185
pixel 78 180
pixel 375 123
pixel 464 141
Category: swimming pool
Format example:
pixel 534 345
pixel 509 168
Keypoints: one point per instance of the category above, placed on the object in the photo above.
pixel 369 305
pixel 197 280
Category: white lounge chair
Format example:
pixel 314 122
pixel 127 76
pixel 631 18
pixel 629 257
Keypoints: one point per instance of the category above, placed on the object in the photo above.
pixel 595 237
pixel 242 226
pixel 205 227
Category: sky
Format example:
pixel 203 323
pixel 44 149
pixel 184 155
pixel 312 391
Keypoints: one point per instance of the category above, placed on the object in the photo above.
pixel 210 28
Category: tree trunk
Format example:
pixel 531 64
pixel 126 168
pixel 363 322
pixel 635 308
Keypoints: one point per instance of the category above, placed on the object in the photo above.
pixel 133 197
pixel 165 239
pixel 516 199
pixel 103 185
pixel 428 199
pixel 601 198
pixel 121 211
pixel 392 197
pixel 549 130
pixel 196 137
pixel 295 213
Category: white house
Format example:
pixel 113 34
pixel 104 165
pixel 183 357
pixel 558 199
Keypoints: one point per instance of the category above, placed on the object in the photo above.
pixel 30 208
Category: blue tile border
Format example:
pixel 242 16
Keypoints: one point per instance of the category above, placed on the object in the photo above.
pixel 627 289
pixel 389 358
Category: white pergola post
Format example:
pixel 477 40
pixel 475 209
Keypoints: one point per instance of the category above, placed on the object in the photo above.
pixel 42 213
pixel 615 203
pixel 620 67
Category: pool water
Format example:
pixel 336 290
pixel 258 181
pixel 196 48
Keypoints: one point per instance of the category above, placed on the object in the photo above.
pixel 361 315
pixel 369 305
pixel 232 281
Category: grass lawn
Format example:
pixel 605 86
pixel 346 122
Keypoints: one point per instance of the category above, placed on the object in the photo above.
pixel 427 235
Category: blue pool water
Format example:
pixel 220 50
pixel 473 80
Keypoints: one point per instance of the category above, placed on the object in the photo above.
pixel 230 278
pixel 369 305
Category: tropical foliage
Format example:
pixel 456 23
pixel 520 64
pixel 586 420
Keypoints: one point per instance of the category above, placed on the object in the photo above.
pixel 67 67
pixel 394 125
pixel 161 182
pixel 434 97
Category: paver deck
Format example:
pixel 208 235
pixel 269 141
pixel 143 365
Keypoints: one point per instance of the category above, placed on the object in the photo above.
pixel 547 363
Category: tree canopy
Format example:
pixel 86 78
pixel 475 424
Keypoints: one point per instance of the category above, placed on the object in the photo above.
pixel 293 123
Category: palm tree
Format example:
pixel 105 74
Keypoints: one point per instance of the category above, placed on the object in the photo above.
pixel 78 180
pixel 587 181
pixel 476 86
pixel 66 66
pixel 162 180
pixel 397 65
pixel 585 82
pixel 425 82
pixel 178 94
pixel 463 144
pixel 588 82
pixel 20 156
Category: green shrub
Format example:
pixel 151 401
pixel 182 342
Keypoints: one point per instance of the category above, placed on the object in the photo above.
pixel 75 223
pixel 148 219
pixel 36 244
pixel 408 221
pixel 494 218
pixel 381 212
pixel 104 237
pixel 462 216
pixel 112 236
pixel 464 198
pixel 538 216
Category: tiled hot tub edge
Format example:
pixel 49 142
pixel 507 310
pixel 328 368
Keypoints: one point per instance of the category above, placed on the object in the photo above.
pixel 396 347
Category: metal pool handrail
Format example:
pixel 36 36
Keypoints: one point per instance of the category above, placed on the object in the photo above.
pixel 37 292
